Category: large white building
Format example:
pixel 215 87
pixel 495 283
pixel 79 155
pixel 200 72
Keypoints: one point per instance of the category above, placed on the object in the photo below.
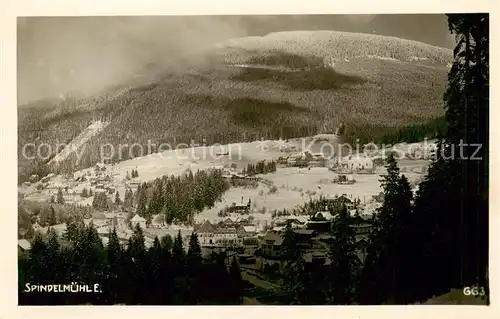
pixel 356 162
pixel 212 236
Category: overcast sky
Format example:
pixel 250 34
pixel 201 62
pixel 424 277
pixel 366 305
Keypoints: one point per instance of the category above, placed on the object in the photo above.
pixel 57 55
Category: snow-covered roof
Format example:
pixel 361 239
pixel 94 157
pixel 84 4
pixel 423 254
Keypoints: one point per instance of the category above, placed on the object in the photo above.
pixel 301 218
pixel 24 244
pixel 250 229
pixel 206 227
pixel 137 218
pixel 324 214
pixel 356 159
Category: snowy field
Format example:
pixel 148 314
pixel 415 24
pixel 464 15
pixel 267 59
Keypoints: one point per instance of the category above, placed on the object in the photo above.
pixel 294 186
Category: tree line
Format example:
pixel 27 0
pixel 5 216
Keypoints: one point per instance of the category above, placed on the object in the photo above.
pixel 354 133
pixel 262 167
pixel 424 245
pixel 178 198
pixel 46 214
pixel 131 274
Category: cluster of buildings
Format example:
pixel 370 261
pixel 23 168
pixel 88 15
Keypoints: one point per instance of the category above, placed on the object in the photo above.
pixel 314 241
pixel 264 248
pixel 354 164
pixel 100 179
pixel 224 234
pixel 303 159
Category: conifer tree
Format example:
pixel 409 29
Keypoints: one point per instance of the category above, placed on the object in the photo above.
pixel 141 200
pixel 118 201
pixel 194 269
pixel 194 258
pixel 156 273
pixel 36 270
pixel 294 275
pixel 60 197
pixel 344 260
pixel 52 216
pixel 167 242
pixel 156 203
pixel 236 281
pixel 181 282
pixel 137 252
pixel 128 200
pixel 388 251
pixel 178 251
pixel 451 207
pixel 116 262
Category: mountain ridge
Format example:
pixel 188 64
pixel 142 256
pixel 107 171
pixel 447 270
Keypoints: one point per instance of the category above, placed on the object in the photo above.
pixel 357 87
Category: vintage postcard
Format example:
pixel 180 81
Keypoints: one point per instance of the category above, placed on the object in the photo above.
pixel 284 159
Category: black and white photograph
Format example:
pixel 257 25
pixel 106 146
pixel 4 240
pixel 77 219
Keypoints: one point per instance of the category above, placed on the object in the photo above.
pixel 317 159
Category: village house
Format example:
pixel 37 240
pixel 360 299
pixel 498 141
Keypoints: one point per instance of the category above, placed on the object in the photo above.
pixel 362 226
pixel 250 244
pixel 322 225
pixel 235 177
pixel 99 219
pixel 233 221
pixel 295 221
pixel 240 209
pixel 158 221
pixel 356 163
pixel 138 220
pixel 23 245
pixel 246 230
pixel 345 179
pixel 300 159
pixel 227 237
pixel 210 235
pixel 322 216
pixel 270 247
pixel 313 245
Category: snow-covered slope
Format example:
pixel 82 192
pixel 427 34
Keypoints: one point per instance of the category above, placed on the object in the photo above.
pixel 92 130
pixel 337 46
